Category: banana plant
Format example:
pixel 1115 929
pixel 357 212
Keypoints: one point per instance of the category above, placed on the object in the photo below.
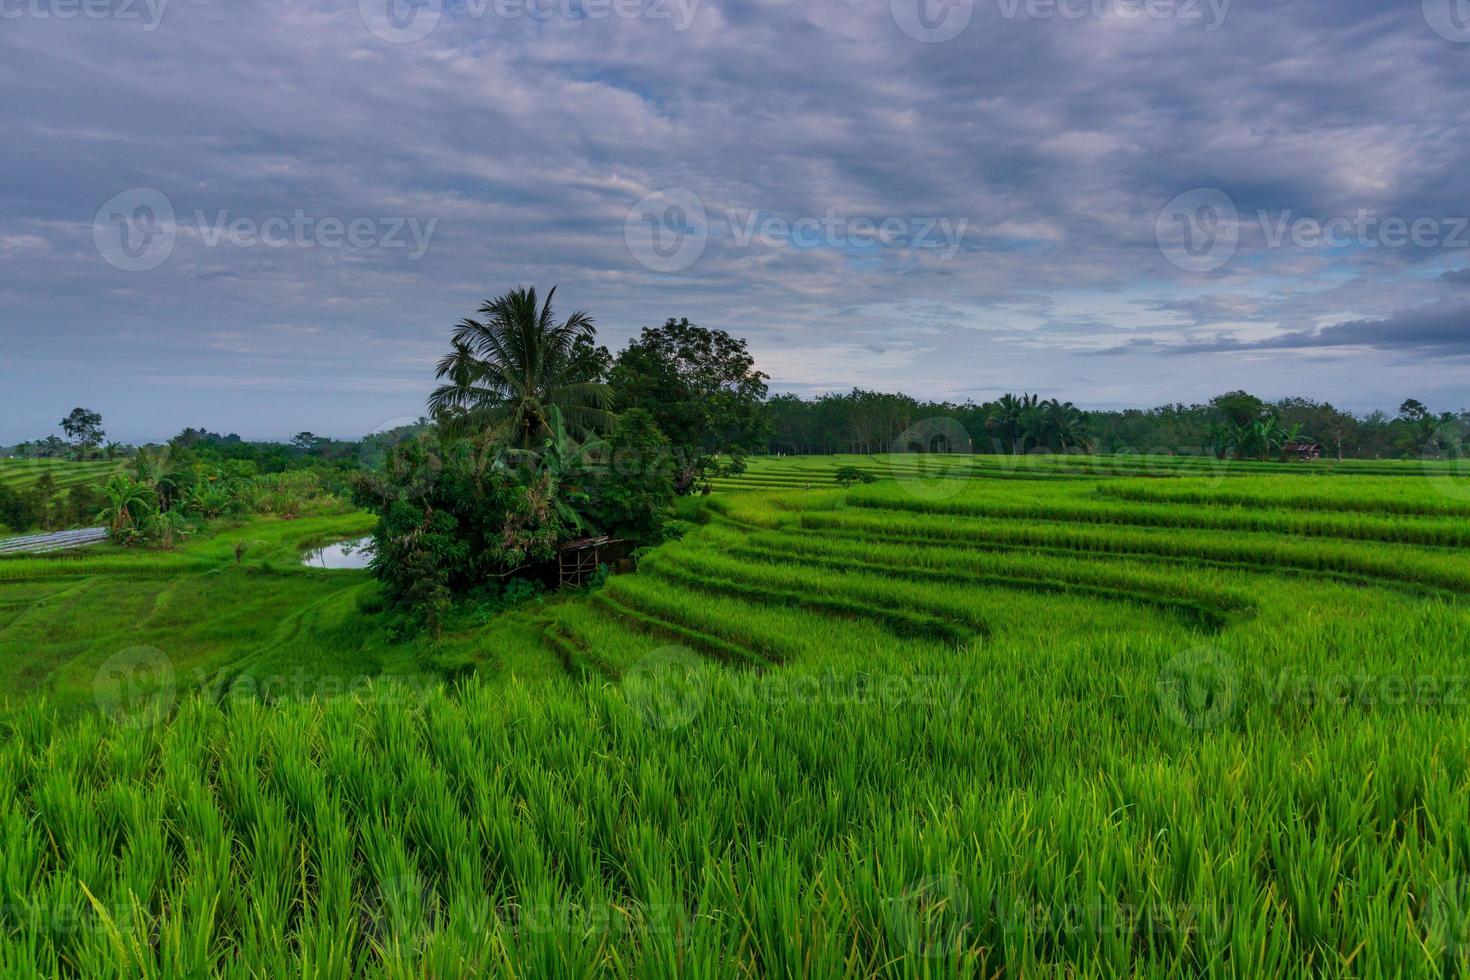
pixel 128 502
pixel 556 468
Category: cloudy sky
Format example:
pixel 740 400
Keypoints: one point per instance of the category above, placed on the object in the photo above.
pixel 263 216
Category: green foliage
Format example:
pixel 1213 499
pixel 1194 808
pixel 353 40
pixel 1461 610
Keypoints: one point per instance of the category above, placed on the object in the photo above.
pixel 635 486
pixel 454 514
pixel 164 529
pixel 872 422
pixel 702 389
pixel 847 476
pixel 128 502
pixel 1257 439
pixel 84 428
pixel 519 591
pixel 1059 716
pixel 271 457
pixel 457 513
pixel 1239 408
pixel 507 372
pixel 48 495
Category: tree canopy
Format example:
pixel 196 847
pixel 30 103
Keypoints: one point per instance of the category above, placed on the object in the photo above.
pixel 702 389
pixel 506 371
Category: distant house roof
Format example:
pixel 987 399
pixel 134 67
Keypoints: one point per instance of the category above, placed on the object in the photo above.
pixel 580 544
pixel 1303 446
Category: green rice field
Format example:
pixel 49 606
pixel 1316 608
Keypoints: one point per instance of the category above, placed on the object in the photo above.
pixel 22 473
pixel 982 717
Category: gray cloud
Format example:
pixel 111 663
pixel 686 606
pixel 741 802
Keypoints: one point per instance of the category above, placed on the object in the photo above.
pixel 1441 329
pixel 529 140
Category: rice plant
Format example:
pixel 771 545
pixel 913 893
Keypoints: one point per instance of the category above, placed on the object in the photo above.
pixel 1054 720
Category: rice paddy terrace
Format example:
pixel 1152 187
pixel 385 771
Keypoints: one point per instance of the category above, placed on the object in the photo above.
pixel 21 474
pixel 1063 716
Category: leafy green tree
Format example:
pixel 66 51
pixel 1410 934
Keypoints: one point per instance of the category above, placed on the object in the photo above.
pixel 1239 408
pixel 169 471
pixel 702 390
pixel 17 510
pixel 847 476
pixel 636 485
pixel 1413 410
pixel 454 514
pixel 308 442
pixel 44 496
pixel 562 462
pixel 1420 429
pixel 81 505
pixel 84 428
pixel 506 371
pixel 1012 419
pixel 1065 426
pixel 51 447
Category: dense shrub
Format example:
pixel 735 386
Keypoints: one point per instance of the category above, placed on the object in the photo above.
pixel 457 515
pixel 846 476
pixel 636 485
pixel 453 514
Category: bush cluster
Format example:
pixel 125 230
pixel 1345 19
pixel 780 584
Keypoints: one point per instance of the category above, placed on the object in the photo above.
pixel 458 515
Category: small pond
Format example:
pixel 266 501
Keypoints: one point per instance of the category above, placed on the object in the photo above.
pixel 344 554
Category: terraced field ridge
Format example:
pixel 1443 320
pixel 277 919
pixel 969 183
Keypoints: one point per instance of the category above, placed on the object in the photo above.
pixel 977 718
pixel 23 473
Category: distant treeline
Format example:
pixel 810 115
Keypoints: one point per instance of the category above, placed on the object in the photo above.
pixel 305 450
pixel 1235 423
pixel 861 421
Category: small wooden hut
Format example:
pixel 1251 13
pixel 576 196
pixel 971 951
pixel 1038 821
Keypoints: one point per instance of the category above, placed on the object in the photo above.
pixel 577 560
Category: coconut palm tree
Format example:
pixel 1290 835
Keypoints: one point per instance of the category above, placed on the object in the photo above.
pixel 1010 417
pixel 507 370
pixel 1035 425
pixel 1065 424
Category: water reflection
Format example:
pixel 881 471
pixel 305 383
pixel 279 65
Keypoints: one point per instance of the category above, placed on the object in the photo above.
pixel 343 554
